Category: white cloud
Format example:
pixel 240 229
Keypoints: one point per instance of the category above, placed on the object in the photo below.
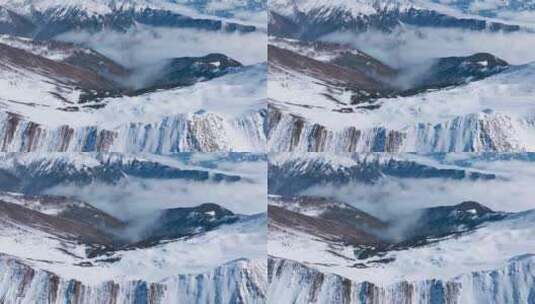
pixel 392 197
pixel 407 46
pixel 478 5
pixel 135 197
pixel 147 45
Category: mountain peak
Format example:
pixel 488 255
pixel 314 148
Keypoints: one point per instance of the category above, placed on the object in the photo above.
pixel 185 222
pixel 213 209
pixel 473 207
pixel 443 221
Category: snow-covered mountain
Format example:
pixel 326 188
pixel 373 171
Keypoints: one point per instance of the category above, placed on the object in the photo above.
pixel 325 250
pixel 305 19
pixel 62 249
pixel 232 282
pixel 50 18
pixel 451 270
pixel 55 256
pixel 35 172
pixel 61 97
pixel 328 97
pixel 291 173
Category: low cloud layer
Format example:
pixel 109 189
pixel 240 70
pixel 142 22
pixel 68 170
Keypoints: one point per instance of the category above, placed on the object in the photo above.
pixel 407 46
pixel 135 197
pixel 392 197
pixel 147 45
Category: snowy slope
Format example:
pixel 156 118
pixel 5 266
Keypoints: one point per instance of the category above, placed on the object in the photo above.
pixel 47 101
pixel 489 247
pixel 494 114
pixel 338 249
pixel 62 97
pixel 490 10
pixel 240 281
pixel 68 259
pixel 491 265
pixel 49 255
pixel 49 18
pixel 225 114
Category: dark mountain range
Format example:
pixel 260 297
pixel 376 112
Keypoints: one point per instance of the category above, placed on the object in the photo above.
pixel 442 221
pixel 43 25
pixel 337 222
pixel 367 78
pixel 102 233
pixel 98 77
pixel 455 71
pixel 295 175
pixel 185 222
pixel 43 173
pixel 319 22
pixel 186 71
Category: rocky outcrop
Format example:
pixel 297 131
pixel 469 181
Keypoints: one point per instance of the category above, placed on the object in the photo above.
pixel 55 21
pixel 201 131
pixel 473 132
pixel 240 281
pixel 325 19
pixel 297 283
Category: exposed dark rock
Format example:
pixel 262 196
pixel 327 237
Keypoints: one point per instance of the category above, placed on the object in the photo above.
pixel 44 25
pixel 454 71
pixel 317 23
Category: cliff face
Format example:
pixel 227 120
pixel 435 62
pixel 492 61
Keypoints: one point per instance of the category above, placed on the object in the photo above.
pixel 240 281
pixel 474 132
pixel 186 132
pixel 296 283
